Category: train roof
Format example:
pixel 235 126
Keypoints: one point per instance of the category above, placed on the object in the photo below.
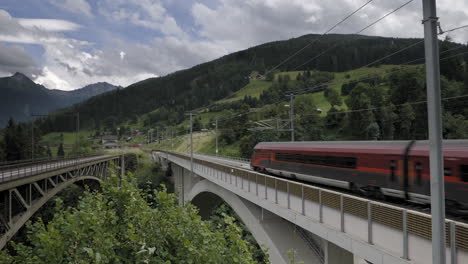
pixel 453 148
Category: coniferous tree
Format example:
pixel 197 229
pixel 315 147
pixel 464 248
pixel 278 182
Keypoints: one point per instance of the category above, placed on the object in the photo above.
pixel 361 119
pixel 60 151
pixel 14 141
pixel 407 116
pixel 48 152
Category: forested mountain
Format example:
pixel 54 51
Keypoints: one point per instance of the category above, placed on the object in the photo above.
pixel 21 97
pixel 188 89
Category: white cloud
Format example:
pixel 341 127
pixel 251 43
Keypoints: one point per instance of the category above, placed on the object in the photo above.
pixel 51 80
pixel 74 6
pixel 241 24
pixel 146 13
pixel 51 25
pixel 220 27
pixel 32 31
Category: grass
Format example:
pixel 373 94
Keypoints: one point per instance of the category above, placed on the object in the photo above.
pixel 203 142
pixel 341 78
pixel 53 140
pixel 254 89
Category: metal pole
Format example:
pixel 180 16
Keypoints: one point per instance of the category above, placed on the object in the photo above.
pixel 216 133
pixel 191 144
pixel 291 115
pixel 172 139
pixel 32 140
pixel 435 131
pixel 77 130
pixel 157 135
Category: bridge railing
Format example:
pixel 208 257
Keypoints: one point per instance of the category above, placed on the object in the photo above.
pixel 333 208
pixel 16 171
pixel 225 157
pixel 26 162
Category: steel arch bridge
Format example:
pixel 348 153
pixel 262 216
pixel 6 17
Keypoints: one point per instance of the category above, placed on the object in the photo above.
pixel 26 187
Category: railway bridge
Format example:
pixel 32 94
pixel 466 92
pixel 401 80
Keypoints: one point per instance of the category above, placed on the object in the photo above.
pixel 25 187
pixel 322 225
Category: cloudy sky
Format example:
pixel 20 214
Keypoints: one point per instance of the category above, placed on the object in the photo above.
pixel 66 44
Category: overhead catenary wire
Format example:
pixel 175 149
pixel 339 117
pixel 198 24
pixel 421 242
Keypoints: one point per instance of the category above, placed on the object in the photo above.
pixel 367 65
pixel 282 101
pixel 381 59
pixel 388 106
pixel 329 30
pixel 453 29
pixel 356 33
pixel 316 39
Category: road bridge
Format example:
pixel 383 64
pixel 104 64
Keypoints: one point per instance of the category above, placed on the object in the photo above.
pixel 324 226
pixel 26 187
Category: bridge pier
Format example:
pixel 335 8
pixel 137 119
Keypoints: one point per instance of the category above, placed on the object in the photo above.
pixel 183 182
pixel 273 232
pixel 336 255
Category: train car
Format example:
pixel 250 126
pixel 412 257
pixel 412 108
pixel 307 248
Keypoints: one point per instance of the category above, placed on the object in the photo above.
pixel 373 168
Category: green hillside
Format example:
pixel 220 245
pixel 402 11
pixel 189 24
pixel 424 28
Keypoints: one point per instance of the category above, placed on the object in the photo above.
pixel 238 90
pixel 204 84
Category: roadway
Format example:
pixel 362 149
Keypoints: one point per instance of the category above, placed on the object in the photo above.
pixel 8 173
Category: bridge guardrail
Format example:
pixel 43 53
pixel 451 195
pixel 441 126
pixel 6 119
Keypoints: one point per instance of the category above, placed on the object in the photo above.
pixel 225 157
pixel 24 162
pixel 408 222
pixel 12 172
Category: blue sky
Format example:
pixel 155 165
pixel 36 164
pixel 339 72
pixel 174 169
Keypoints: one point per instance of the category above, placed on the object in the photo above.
pixel 66 44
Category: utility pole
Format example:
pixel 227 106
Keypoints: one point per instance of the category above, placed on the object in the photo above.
pixel 216 134
pixel 191 143
pixel 436 158
pixel 32 139
pixel 291 115
pixel 77 130
pixel 172 139
pixel 157 135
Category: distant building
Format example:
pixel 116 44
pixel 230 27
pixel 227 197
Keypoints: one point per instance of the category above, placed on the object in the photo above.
pixel 109 142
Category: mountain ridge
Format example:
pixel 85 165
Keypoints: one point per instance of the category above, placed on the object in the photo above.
pixel 23 97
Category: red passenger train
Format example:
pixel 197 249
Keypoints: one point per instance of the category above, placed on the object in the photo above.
pixel 375 168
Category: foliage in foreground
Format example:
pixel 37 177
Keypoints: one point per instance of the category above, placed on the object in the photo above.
pixel 117 225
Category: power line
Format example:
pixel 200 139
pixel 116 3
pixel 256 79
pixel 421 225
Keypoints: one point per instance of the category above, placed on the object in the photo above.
pixel 358 32
pixel 323 84
pixel 383 107
pixel 375 77
pixel 387 56
pixel 282 101
pixel 453 29
pixel 316 39
pixel 367 65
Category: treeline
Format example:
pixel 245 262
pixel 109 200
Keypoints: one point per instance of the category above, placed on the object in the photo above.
pixel 18 141
pixel 173 95
pixel 23 141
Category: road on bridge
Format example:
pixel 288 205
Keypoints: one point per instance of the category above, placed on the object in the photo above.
pixel 8 173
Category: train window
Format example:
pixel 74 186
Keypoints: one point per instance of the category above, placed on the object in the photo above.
pixel 392 170
pixel 447 172
pixel 464 173
pixel 342 162
pixel 418 173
